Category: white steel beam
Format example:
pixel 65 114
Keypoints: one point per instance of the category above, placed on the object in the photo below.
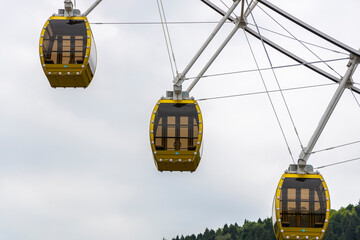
pixel 92 7
pixel 305 153
pixel 296 58
pixel 216 54
pixel 310 28
pixel 180 78
pixel 280 49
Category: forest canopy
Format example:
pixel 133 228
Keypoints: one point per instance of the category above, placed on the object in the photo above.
pixel 344 225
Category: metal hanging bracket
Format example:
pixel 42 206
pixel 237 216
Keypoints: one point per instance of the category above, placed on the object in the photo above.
pixel 69 8
pixel 70 11
pixel 294 169
pixel 178 94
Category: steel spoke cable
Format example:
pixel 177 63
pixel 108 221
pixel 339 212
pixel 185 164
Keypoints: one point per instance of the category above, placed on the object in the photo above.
pixel 168 33
pixel 264 92
pixel 228 7
pixel 356 100
pixel 305 42
pixel 300 42
pixel 211 22
pixel 331 148
pixel 155 23
pixel 264 69
pixel 269 97
pixel 166 40
pixel 338 163
pixel 277 82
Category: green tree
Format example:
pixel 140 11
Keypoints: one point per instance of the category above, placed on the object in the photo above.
pixel 225 229
pixel 344 224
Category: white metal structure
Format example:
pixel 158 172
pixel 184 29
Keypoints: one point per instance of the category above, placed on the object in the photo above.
pixel 241 22
pixel 69 10
pixel 92 7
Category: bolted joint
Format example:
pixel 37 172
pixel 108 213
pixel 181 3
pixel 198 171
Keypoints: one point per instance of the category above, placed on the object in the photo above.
pixel 240 22
pixel 353 60
pixel 69 7
pixel 179 79
pixel 301 165
pixel 177 92
pixel 176 80
pixel 350 83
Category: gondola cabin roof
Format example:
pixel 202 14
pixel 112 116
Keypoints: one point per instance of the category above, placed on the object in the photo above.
pixel 301 208
pixel 176 131
pixel 67 51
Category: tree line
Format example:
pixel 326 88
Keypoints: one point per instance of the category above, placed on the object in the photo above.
pixel 344 224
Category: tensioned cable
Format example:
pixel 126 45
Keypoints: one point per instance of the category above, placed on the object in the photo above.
pixel 155 23
pixel 264 69
pixel 212 22
pixel 277 82
pixel 271 102
pixel 166 40
pixel 331 148
pixel 299 41
pixel 168 33
pixel 264 92
pixel 343 145
pixel 355 98
pixel 305 42
pixel 228 7
pixel 342 162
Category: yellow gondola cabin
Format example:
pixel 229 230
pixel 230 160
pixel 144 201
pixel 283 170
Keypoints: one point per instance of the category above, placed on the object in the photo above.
pixel 176 131
pixel 68 52
pixel 301 208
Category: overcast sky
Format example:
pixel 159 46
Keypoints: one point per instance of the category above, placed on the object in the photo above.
pixel 76 163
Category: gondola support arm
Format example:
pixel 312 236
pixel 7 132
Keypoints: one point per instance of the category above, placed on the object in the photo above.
pixel 69 8
pixel 345 82
pixel 92 7
pixel 180 78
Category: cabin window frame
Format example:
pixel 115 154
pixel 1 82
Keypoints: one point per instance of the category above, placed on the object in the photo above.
pixel 176 130
pixel 62 45
pixel 301 206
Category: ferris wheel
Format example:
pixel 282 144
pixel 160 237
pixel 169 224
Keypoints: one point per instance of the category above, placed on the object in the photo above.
pixel 301 205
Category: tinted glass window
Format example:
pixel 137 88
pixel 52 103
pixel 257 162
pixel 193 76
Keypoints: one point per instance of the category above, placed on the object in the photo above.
pixel 65 42
pixel 302 203
pixel 176 127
